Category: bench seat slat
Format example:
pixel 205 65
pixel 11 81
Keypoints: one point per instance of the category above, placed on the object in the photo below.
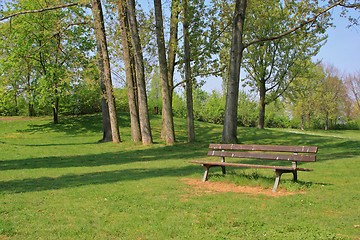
pixel 268 156
pixel 270 148
pixel 250 166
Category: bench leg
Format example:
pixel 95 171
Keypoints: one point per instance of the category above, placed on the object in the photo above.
pixel 295 175
pixel 277 179
pixel 223 167
pixel 206 172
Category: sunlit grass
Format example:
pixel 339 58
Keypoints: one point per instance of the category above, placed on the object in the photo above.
pixel 58 182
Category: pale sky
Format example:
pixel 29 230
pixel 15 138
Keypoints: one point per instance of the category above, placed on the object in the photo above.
pixel 343 47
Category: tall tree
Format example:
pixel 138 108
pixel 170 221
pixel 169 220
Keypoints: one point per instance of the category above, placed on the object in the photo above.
pixel 140 75
pixel 164 74
pixel 353 84
pixel 129 67
pixel 302 94
pixel 330 94
pixel 237 48
pixel 101 39
pixel 273 65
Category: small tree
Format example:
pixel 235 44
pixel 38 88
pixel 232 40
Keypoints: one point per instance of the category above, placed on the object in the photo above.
pixel 302 94
pixel 330 95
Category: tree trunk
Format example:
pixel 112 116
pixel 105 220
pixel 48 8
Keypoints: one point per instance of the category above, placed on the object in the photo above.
pixel 130 77
pixel 55 109
pixel 173 43
pixel 107 136
pixel 308 120
pixel 172 48
pixel 16 102
pixel 140 75
pixel 326 121
pixel 165 92
pixel 30 109
pixel 189 98
pixel 229 134
pixel 302 123
pixel 262 92
pixel 31 96
pixel 101 38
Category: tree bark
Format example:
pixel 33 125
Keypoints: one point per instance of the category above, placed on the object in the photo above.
pixel 262 92
pixel 101 38
pixel 172 49
pixel 173 43
pixel 31 96
pixel 189 98
pixel 327 121
pixel 229 134
pixel 107 136
pixel 130 77
pixel 55 109
pixel 140 75
pixel 302 123
pixel 165 92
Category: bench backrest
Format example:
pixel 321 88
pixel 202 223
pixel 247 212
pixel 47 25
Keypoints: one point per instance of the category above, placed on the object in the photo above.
pixel 261 152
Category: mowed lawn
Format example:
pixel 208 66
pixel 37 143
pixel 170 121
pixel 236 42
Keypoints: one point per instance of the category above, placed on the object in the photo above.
pixel 57 182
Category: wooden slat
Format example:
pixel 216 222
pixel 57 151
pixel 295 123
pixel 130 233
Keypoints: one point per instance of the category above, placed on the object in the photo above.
pixel 250 166
pixel 267 156
pixel 270 148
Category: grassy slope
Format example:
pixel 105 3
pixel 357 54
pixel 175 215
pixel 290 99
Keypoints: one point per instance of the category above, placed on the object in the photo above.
pixel 57 182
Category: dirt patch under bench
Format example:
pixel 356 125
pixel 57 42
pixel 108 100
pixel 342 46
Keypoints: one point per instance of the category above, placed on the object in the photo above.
pixel 201 188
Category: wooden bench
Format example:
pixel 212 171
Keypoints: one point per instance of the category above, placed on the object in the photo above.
pixel 261 152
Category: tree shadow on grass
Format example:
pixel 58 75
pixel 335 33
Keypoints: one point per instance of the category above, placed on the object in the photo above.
pixel 178 151
pixel 77 124
pixel 94 178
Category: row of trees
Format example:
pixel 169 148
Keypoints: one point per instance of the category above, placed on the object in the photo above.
pixel 321 98
pixel 48 50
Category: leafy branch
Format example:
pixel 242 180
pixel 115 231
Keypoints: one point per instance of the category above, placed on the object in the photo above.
pixel 43 10
pixel 313 19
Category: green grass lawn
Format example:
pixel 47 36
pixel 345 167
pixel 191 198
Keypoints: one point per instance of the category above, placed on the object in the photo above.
pixel 57 182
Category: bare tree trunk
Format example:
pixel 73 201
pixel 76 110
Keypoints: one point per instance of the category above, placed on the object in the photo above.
pixel 101 38
pixel 189 98
pixel 107 136
pixel 31 96
pixel 16 102
pixel 130 77
pixel 302 123
pixel 30 109
pixel 173 43
pixel 165 92
pixel 237 47
pixel 326 121
pixel 172 48
pixel 140 75
pixel 55 109
pixel 262 92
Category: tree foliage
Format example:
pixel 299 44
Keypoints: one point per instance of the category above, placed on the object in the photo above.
pixel 50 49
